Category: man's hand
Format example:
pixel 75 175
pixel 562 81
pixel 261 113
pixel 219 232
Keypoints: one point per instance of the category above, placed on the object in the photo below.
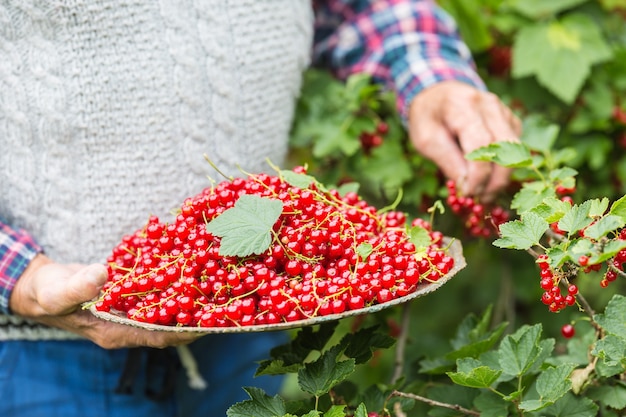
pixel 449 120
pixel 52 294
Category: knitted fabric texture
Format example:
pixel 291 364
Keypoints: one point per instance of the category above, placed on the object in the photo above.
pixel 107 109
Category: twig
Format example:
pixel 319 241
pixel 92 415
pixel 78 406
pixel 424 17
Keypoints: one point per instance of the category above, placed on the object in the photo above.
pixel 434 403
pixel 401 343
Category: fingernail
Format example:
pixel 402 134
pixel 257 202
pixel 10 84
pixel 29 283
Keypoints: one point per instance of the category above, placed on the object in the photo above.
pixel 96 274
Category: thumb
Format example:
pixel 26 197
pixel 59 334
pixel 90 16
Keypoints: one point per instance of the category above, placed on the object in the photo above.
pixel 84 285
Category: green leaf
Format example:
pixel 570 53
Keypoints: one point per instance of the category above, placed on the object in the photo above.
pixel 577 218
pixel 571 406
pixel 361 345
pixel 522 234
pixel 364 250
pixel 474 29
pixel 618 208
pixel 536 9
pixel 519 351
pixel 598 207
pixel 259 405
pixel 491 405
pixel 613 320
pixel 387 168
pixel 419 237
pixel 613 396
pixel 473 374
pixel 552 384
pixel 612 348
pixel 348 187
pixel 336 411
pixel 297 179
pixel 360 411
pixel 604 226
pixel 318 377
pixel 562 174
pixel 331 140
pixel 507 154
pixel 539 135
pixel 245 228
pixel 531 195
pixel 551 209
pixel 560 53
pixel 610 250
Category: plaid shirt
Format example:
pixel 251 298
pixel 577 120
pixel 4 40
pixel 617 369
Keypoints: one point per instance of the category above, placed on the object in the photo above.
pixel 406 45
pixel 17 249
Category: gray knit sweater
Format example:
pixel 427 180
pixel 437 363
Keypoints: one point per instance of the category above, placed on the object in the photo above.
pixel 107 108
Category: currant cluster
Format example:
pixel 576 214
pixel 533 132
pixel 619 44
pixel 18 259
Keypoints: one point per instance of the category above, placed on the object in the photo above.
pixel 173 273
pixel 556 298
pixel 553 296
pixel 374 138
pixel 479 220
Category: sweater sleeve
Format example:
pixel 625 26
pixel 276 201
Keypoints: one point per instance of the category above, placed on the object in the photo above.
pixel 17 249
pixel 406 45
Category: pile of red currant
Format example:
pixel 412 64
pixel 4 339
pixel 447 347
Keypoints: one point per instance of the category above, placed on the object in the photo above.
pixel 173 273
pixel 479 220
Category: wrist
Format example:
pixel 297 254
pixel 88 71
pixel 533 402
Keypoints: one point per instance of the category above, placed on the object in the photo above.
pixel 23 300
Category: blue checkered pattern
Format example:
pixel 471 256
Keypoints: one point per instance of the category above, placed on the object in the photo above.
pixel 406 45
pixel 17 249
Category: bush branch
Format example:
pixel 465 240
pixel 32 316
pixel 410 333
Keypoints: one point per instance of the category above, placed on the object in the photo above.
pixel 434 403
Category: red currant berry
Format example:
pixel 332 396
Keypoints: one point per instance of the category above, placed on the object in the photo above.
pixel 568 331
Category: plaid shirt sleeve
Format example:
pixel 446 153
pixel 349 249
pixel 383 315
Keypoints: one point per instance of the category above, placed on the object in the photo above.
pixel 406 45
pixel 17 249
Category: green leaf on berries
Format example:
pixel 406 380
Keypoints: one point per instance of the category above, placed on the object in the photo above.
pixel 604 226
pixel 522 234
pixel 246 227
pixel 364 250
pixel 577 218
pixel 297 179
pixel 259 405
pixel 507 154
pixel 419 237
pixel 552 384
pixel 472 373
